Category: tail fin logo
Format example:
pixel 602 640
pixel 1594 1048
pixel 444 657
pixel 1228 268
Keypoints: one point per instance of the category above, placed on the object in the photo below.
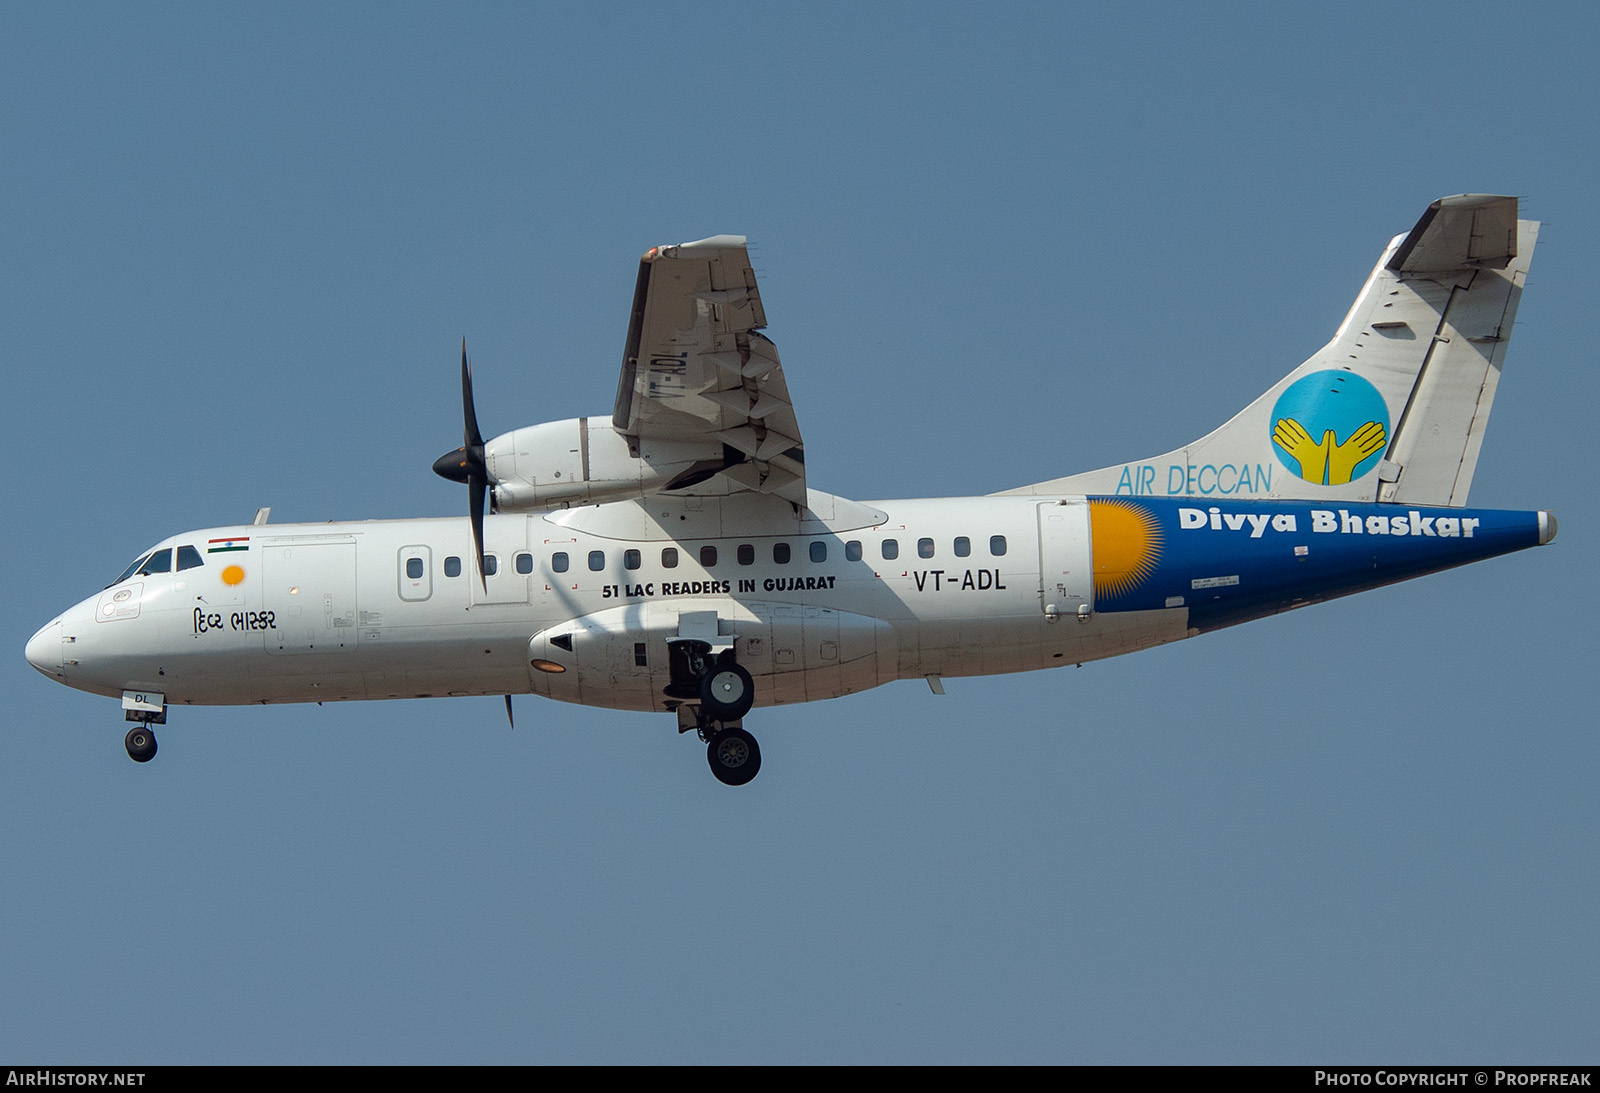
pixel 1330 427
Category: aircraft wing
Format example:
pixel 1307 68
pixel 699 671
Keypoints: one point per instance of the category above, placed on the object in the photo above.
pixel 696 368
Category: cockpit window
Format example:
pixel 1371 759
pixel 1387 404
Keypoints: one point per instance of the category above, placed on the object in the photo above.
pixel 159 562
pixel 189 558
pixel 126 573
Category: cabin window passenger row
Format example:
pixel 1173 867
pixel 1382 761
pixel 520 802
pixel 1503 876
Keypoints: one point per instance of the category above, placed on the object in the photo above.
pixel 161 561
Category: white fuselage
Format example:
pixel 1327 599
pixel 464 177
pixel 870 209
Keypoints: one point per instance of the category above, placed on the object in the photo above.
pixel 810 602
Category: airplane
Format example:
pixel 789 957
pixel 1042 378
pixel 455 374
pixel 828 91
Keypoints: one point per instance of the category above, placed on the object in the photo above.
pixel 672 557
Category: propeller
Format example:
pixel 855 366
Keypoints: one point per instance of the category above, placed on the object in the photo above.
pixel 466 464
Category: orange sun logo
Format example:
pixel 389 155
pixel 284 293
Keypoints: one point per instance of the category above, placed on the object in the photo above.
pixel 1127 545
pixel 233 575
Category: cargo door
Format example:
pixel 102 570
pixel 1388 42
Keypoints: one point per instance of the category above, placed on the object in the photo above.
pixel 309 588
pixel 1066 579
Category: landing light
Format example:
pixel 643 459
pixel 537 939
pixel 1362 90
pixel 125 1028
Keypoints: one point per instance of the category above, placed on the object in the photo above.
pixel 548 666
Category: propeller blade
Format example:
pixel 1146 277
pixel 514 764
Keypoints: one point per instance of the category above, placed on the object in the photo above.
pixel 508 714
pixel 466 462
pixel 476 489
pixel 474 439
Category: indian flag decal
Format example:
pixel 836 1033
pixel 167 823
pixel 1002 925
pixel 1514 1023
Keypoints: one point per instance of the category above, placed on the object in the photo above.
pixel 224 546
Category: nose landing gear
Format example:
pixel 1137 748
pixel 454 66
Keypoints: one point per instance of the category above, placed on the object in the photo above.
pixel 144 708
pixel 141 743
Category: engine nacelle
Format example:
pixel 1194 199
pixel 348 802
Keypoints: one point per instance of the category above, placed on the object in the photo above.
pixel 585 461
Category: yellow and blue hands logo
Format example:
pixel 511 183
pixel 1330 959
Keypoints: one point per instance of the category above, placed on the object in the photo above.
pixel 1326 461
pixel 1330 427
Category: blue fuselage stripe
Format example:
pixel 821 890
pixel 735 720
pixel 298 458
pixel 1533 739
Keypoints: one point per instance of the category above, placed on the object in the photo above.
pixel 1232 562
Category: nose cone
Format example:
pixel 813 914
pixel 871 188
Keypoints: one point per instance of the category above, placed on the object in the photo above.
pixel 1547 527
pixel 44 650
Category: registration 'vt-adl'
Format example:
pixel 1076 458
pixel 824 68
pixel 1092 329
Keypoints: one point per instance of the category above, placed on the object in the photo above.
pixel 672 557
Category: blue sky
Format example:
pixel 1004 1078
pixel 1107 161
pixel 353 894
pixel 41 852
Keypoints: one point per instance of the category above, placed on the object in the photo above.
pixel 997 244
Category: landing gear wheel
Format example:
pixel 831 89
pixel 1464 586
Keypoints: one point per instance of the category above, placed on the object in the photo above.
pixel 726 693
pixel 735 757
pixel 141 744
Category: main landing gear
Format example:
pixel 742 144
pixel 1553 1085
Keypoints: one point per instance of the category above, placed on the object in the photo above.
pixel 725 692
pixel 143 708
pixel 734 755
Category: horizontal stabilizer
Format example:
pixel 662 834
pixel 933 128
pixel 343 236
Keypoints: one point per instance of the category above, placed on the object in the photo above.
pixel 1463 232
